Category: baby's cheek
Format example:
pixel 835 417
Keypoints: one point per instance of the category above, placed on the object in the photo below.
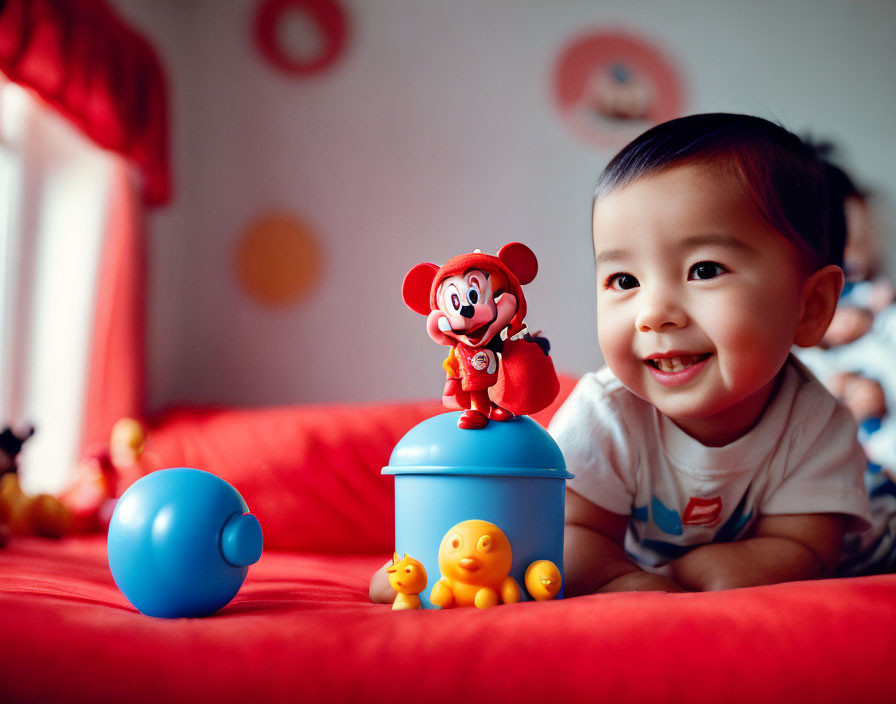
pixel 616 347
pixel 751 352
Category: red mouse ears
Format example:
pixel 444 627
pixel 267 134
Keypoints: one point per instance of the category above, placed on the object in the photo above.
pixel 416 286
pixel 515 261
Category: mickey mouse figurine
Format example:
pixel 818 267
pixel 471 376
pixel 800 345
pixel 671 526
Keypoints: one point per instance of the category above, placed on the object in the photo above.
pixel 475 304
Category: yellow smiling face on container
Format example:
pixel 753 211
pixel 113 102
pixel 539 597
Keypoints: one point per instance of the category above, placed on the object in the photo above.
pixel 477 553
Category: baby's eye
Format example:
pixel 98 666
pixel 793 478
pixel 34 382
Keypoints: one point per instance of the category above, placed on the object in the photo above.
pixel 473 296
pixel 705 270
pixel 622 282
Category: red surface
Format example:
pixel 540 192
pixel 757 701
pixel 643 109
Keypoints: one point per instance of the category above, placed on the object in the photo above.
pixel 301 629
pixel 82 59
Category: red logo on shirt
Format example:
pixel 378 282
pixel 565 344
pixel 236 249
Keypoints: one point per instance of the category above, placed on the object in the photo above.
pixel 702 512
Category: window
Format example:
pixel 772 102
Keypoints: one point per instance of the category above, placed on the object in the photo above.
pixel 55 191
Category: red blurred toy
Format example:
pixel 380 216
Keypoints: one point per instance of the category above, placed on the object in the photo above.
pixel 103 474
pixel 475 304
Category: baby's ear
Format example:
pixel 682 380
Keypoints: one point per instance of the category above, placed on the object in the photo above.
pixel 821 291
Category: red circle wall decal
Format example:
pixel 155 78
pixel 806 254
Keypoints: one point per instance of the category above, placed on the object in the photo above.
pixel 611 85
pixel 301 37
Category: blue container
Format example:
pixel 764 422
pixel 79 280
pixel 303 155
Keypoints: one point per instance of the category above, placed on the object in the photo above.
pixel 181 542
pixel 510 473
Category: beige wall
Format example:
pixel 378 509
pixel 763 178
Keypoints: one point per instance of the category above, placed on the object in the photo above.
pixel 434 135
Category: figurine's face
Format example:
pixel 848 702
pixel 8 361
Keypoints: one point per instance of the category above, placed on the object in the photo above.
pixel 698 297
pixel 407 575
pixel 469 311
pixel 475 552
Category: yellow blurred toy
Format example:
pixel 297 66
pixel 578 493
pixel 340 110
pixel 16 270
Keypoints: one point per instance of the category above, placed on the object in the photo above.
pixel 20 513
pixel 543 580
pixel 41 514
pixel 475 560
pixel 407 577
pixel 10 447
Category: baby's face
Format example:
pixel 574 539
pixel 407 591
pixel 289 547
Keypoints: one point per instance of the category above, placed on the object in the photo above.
pixel 698 298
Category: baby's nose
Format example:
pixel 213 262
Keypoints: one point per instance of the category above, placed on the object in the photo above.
pixel 659 313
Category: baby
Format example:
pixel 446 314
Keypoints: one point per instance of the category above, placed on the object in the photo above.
pixel 705 455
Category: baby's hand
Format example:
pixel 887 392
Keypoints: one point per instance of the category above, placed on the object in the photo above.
pixel 381 592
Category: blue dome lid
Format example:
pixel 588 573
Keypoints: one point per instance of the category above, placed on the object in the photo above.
pixel 515 448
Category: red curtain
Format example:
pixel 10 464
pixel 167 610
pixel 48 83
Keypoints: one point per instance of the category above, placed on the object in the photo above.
pixel 116 381
pixel 82 59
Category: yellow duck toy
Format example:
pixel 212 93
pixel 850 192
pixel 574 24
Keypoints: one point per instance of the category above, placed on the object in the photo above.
pixel 475 560
pixel 407 577
pixel 543 580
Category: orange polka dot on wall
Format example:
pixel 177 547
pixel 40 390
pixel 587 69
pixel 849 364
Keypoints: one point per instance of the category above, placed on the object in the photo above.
pixel 278 260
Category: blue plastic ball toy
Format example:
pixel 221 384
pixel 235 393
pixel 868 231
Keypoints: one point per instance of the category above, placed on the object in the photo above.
pixel 181 542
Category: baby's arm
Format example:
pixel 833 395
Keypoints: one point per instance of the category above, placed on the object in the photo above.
pixel 784 548
pixel 593 557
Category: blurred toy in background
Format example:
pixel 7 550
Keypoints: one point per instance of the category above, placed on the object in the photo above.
pixel 854 359
pixel 42 515
pixel 181 542
pixel 102 474
pixel 475 305
pixel 868 290
pixel 475 559
pixel 855 362
pixel 10 447
pixel 22 514
pixel 407 577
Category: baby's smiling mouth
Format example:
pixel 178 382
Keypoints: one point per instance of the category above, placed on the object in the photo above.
pixel 678 363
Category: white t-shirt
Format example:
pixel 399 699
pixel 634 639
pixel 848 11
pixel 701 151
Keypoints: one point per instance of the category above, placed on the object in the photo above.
pixel 802 457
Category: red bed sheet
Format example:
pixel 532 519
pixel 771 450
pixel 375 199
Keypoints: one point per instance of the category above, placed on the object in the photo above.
pixel 301 630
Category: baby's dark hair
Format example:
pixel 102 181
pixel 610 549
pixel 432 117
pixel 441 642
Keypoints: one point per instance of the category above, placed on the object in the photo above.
pixel 782 174
pixel 841 184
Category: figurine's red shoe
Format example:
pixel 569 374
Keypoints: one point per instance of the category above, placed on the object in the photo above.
pixel 472 420
pixel 500 414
